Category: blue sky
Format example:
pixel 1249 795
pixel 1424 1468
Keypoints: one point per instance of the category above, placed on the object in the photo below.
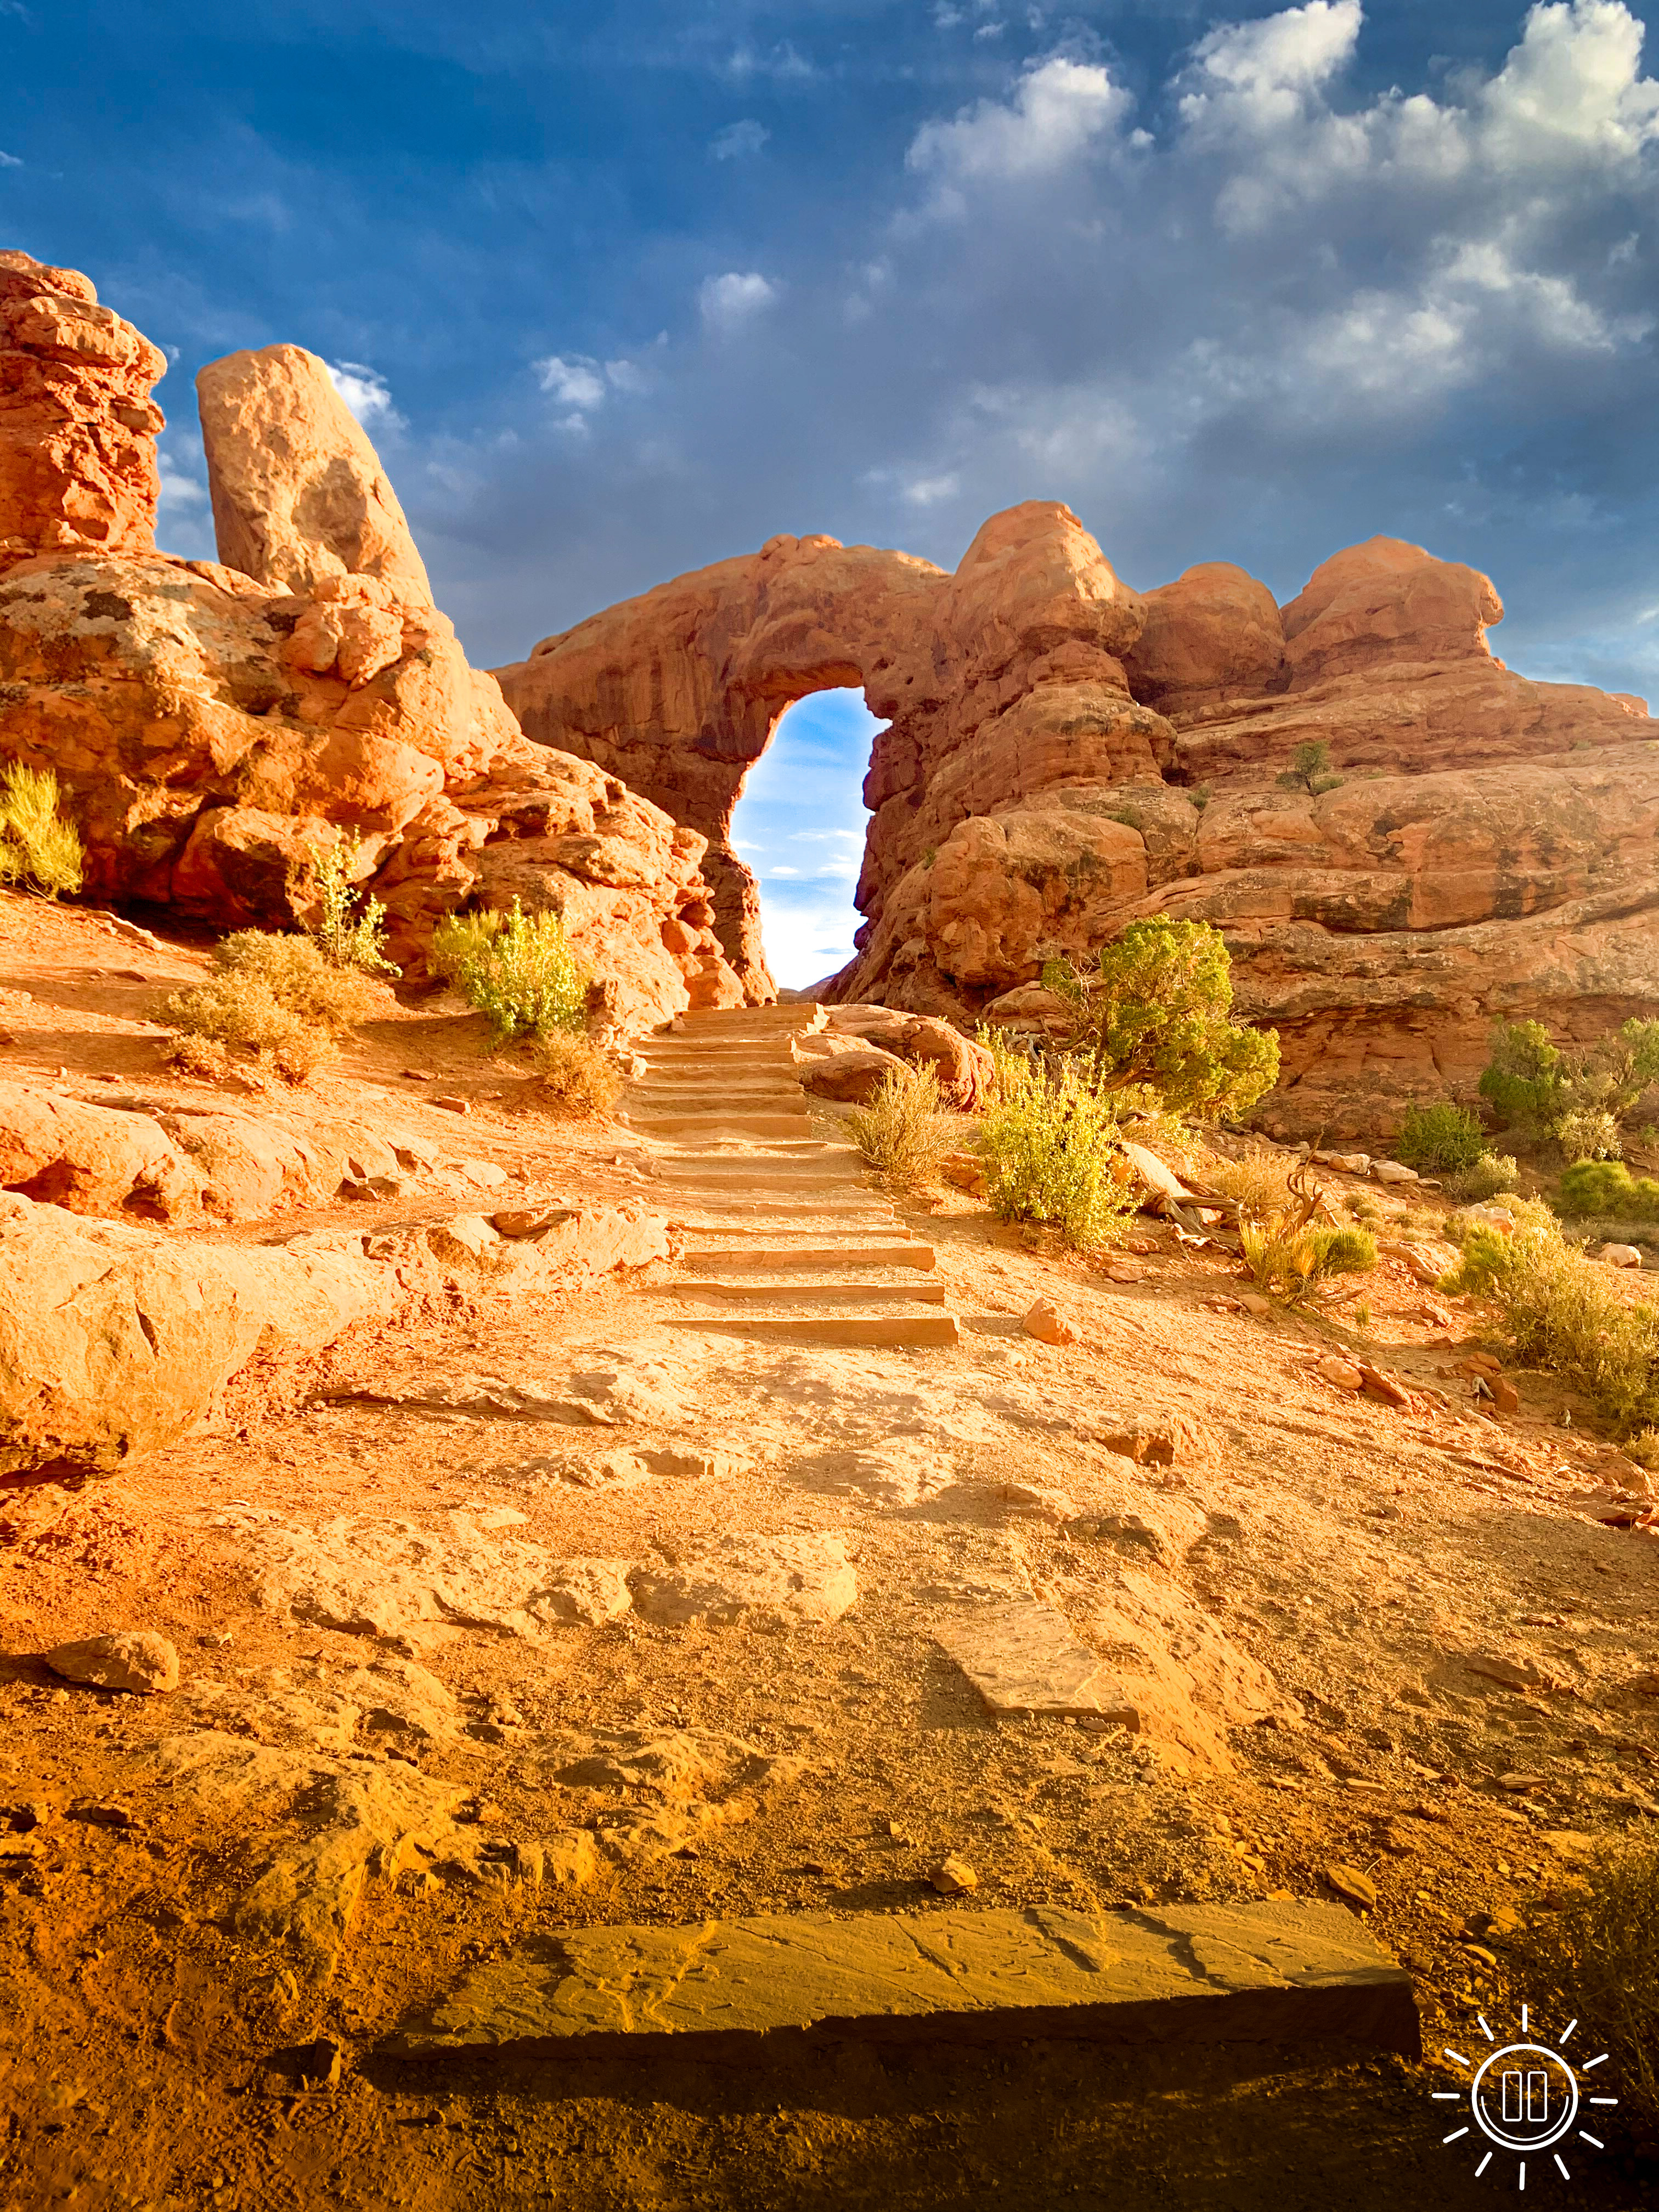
pixel 619 290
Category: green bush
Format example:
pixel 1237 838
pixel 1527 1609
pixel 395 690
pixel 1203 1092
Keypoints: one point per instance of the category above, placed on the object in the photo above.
pixel 517 968
pixel 902 1132
pixel 1559 1311
pixel 1049 1148
pixel 1580 1098
pixel 1310 770
pixel 280 997
pixel 1290 1260
pixel 1523 1078
pixel 349 926
pixel 1608 1188
pixel 38 849
pixel 1439 1139
pixel 1492 1174
pixel 1590 1132
pixel 1157 1016
pixel 1596 1956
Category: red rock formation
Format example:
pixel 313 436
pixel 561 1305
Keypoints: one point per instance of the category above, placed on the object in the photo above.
pixel 213 729
pixel 298 494
pixel 1063 756
pixel 996 681
pixel 77 424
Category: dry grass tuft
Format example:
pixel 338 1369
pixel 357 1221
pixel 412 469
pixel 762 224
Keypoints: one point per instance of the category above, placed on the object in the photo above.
pixel 575 1081
pixel 279 998
pixel 38 849
pixel 1258 1184
pixel 902 1132
pixel 1290 1262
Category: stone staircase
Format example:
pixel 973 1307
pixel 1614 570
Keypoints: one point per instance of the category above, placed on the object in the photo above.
pixel 787 1239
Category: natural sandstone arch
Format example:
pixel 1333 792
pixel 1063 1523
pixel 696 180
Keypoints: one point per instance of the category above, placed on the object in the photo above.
pixel 679 691
pixel 1064 755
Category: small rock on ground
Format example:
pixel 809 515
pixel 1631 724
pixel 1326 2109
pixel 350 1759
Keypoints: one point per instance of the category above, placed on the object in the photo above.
pixel 137 1660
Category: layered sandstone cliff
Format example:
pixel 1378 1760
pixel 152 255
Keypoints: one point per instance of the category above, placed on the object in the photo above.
pixel 1064 755
pixel 215 726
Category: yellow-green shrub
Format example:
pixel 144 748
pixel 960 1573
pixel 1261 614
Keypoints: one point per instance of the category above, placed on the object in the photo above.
pixel 1290 1260
pixel 516 968
pixel 1049 1147
pixel 1560 1311
pixel 38 849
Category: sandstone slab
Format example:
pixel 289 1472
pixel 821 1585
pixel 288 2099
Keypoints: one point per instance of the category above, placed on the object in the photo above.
pixel 1023 1659
pixel 1283 1974
pixel 785 1577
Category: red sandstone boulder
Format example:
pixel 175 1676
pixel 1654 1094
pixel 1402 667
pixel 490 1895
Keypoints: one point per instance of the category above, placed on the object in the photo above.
pixel 1214 634
pixel 1387 601
pixel 298 494
pixel 77 424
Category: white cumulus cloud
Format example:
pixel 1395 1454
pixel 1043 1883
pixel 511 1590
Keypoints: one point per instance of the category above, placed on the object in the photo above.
pixel 365 392
pixel 728 303
pixel 1058 110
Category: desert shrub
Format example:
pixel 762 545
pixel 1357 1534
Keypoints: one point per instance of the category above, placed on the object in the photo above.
pixel 1439 1139
pixel 1643 1447
pixel 1523 1078
pixel 1608 1187
pixel 1596 1957
pixel 516 968
pixel 1310 770
pixel 1590 1132
pixel 576 1081
pixel 350 927
pixel 902 1132
pixel 278 997
pixel 203 1057
pixel 1558 1310
pixel 1290 1260
pixel 1157 1017
pixel 1493 1173
pixel 240 1010
pixel 1048 1146
pixel 1579 1098
pixel 38 849
pixel 1258 1184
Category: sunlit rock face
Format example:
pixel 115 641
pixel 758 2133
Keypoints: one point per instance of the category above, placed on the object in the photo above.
pixel 214 725
pixel 1065 755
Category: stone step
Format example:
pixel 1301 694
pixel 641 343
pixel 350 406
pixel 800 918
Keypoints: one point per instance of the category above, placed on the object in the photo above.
pixel 745 1258
pixel 679 1093
pixel 1277 1974
pixel 711 1125
pixel 797 1293
pixel 798 1218
pixel 878 1332
pixel 780 1176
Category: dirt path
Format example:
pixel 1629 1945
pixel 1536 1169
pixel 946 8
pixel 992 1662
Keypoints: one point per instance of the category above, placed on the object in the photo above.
pixel 513 1620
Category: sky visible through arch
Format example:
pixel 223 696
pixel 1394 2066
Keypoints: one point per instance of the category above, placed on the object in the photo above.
pixel 623 287
pixel 799 825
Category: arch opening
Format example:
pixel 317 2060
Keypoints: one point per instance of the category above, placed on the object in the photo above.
pixel 798 827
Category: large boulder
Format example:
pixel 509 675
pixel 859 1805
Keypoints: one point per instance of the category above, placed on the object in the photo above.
pixel 115 1339
pixel 298 494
